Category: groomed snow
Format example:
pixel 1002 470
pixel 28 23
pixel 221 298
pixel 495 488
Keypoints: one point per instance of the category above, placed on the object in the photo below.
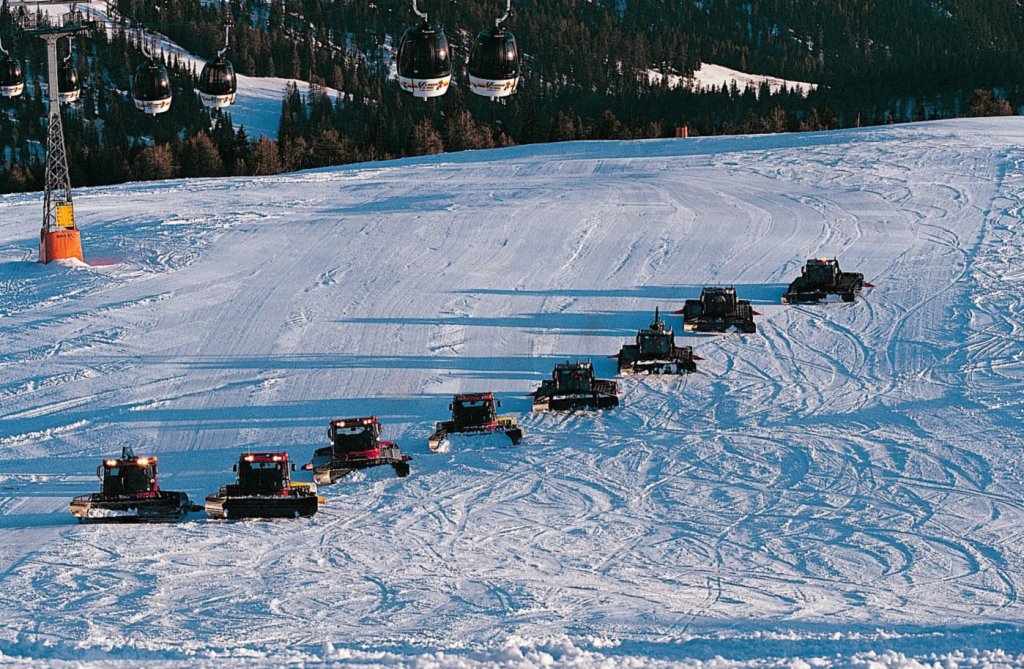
pixel 841 489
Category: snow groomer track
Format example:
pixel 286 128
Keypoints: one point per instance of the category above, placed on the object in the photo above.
pixel 846 481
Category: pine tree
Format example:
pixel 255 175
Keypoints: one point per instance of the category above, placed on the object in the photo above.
pixel 264 158
pixel 200 158
pixel 984 103
pixel 154 162
pixel 425 139
pixel 462 132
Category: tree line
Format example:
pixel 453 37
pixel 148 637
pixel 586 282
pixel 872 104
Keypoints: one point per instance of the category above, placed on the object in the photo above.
pixel 585 77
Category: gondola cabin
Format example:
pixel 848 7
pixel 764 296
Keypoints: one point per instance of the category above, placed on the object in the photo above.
pixel 424 62
pixel 217 84
pixel 68 88
pixel 494 64
pixel 12 79
pixel 152 88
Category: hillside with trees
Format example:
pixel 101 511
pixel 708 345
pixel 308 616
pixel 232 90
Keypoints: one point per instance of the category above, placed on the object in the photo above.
pixel 584 62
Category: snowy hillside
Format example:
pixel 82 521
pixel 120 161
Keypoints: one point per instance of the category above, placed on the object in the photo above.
pixel 714 77
pixel 844 485
pixel 258 105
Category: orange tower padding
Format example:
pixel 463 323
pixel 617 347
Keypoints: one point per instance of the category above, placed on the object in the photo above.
pixel 59 245
pixel 63 241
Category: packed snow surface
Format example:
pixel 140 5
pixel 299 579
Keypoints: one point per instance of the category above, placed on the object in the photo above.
pixel 841 489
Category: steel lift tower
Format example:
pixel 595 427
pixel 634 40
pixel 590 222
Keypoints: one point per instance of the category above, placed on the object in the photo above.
pixel 59 238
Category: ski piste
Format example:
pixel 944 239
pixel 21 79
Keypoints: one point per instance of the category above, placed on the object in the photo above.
pixel 844 482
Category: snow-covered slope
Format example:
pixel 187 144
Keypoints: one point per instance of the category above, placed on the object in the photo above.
pixel 845 482
pixel 712 77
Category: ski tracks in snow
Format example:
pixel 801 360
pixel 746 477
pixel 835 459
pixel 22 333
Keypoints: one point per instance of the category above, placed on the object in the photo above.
pixel 850 465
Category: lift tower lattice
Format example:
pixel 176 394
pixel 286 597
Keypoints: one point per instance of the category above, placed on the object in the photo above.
pixel 59 237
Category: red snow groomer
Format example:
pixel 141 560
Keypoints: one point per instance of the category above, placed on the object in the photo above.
pixel 263 489
pixel 474 414
pixel 355 444
pixel 129 493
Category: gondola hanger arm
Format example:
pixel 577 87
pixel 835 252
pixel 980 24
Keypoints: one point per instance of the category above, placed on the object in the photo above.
pixel 227 36
pixel 416 10
pixel 508 10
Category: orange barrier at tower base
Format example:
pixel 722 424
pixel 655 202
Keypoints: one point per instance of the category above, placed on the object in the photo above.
pixel 60 245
